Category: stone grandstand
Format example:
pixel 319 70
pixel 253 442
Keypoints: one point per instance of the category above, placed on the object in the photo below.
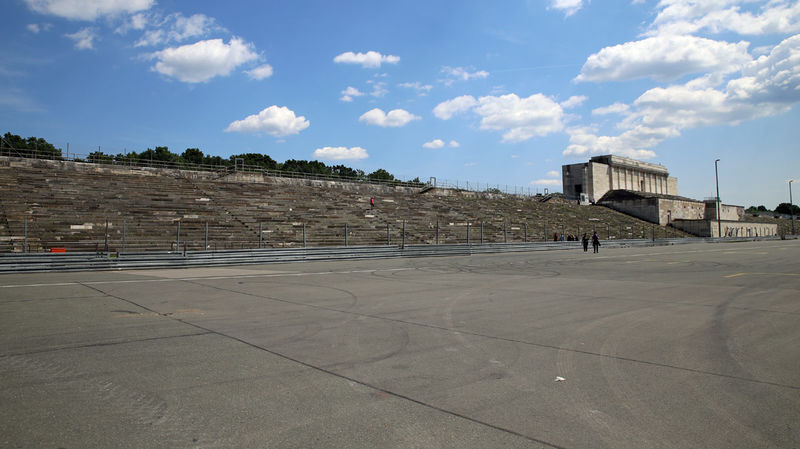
pixel 66 204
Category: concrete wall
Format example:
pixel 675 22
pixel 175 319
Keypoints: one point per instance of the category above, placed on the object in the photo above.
pixel 710 228
pixel 599 177
pixel 574 180
pixel 729 212
pixel 670 210
pixel 672 186
pixel 644 208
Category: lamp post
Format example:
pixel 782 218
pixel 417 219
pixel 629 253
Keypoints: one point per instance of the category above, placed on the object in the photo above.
pixel 791 205
pixel 719 206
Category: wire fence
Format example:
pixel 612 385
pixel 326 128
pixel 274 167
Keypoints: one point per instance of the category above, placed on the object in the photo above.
pixel 131 235
pixel 239 166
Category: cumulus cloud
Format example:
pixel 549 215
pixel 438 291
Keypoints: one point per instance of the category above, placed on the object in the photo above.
pixel 664 58
pixel 172 28
pixel 453 144
pixel 340 153
pixel 88 9
pixel 378 88
pixel 435 143
pixel 368 60
pixel 573 101
pixel 691 16
pixel 546 182
pixel 349 93
pixel 454 74
pixel 569 7
pixel 552 174
pixel 423 89
pixel 767 86
pixel 394 118
pixel 616 108
pixel 275 121
pixel 259 73
pixel 203 60
pixel 520 118
pixel 447 109
pixel 84 38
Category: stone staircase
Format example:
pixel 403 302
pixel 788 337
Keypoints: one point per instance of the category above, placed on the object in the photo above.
pixel 67 204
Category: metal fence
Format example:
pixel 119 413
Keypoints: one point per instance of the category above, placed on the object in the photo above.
pixel 121 235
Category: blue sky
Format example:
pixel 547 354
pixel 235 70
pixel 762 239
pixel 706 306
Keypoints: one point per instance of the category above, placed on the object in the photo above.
pixel 500 93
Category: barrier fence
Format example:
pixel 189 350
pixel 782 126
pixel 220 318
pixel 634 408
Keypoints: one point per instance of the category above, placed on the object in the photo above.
pixel 130 235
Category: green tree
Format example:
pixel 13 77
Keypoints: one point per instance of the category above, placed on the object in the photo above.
pixel 381 175
pixel 193 156
pixel 257 159
pixel 346 172
pixel 786 208
pixel 30 147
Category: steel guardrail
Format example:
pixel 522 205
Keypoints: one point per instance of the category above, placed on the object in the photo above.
pixel 45 262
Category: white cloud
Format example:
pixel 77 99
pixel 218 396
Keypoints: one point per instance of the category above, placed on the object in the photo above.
pixel 84 38
pixel 259 73
pixel 767 86
pixel 435 143
pixel 172 28
pixel 33 28
pixel 616 108
pixel 275 121
pixel 394 118
pixel 520 118
pixel 423 89
pixel 453 144
pixel 368 60
pixel 573 101
pixel 569 7
pixel 340 153
pixel 378 88
pixel 462 74
pixel 553 174
pixel 546 182
pixel 88 9
pixel 447 109
pixel 719 16
pixel 203 60
pixel 664 58
pixel 349 93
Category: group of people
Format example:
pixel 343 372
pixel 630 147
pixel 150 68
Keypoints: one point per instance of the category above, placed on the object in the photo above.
pixel 585 240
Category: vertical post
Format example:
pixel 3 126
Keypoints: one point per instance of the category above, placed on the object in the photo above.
pixel 608 231
pixel 562 231
pixel 25 243
pixel 345 234
pixel 791 204
pixel 387 233
pixel 579 232
pixel 124 230
pixel 481 233
pixel 437 231
pixel 467 233
pixel 178 238
pixel 105 240
pixel 545 232
pixel 205 246
pixel 505 232
pixel 403 245
pixel 304 234
pixel 260 233
pixel 719 205
pixel 525 235
pixel 654 233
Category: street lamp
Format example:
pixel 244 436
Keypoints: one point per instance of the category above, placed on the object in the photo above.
pixel 719 206
pixel 791 206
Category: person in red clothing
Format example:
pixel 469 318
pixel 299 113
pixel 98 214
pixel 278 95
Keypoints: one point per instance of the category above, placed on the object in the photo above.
pixel 372 202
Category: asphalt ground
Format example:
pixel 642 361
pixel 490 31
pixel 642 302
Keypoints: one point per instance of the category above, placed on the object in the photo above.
pixel 668 347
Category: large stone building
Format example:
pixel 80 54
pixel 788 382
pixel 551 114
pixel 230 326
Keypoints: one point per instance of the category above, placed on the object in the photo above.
pixel 591 180
pixel 646 191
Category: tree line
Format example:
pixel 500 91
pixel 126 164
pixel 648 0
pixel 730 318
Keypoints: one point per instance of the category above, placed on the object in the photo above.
pixel 39 147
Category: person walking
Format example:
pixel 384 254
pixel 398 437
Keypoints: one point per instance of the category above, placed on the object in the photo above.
pixel 372 203
pixel 585 242
pixel 596 242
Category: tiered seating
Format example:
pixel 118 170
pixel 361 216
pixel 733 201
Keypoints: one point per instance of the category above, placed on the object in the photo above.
pixel 68 207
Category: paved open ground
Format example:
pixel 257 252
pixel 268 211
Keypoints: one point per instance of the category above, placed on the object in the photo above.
pixel 681 347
